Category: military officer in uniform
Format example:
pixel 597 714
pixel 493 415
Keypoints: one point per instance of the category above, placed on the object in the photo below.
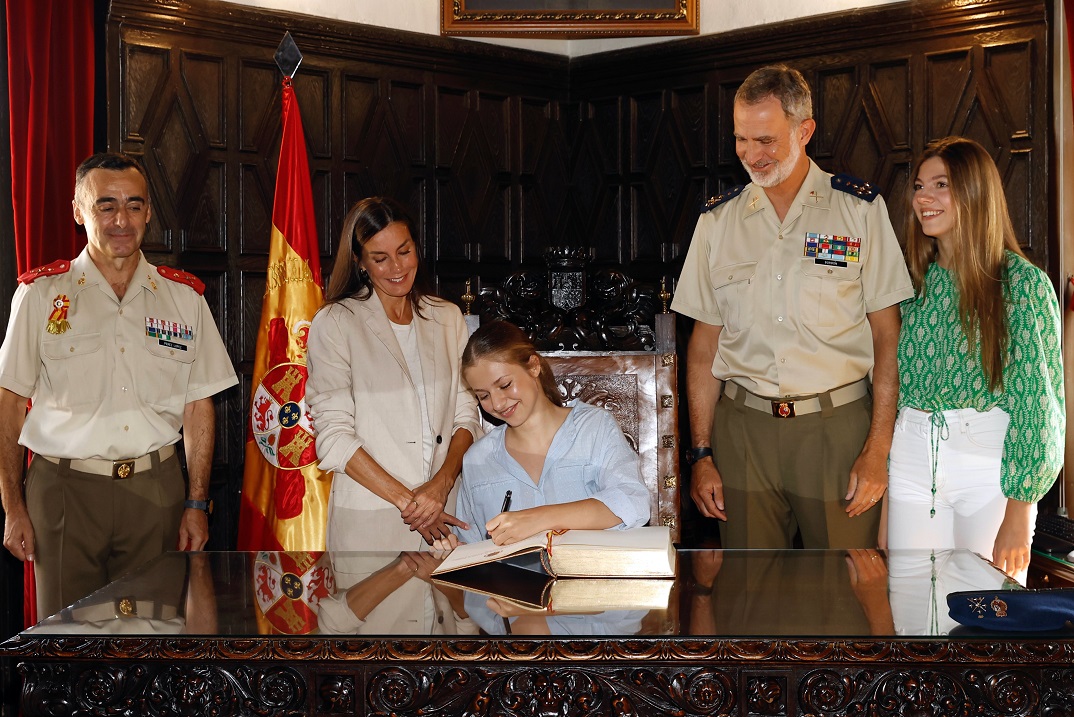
pixel 794 282
pixel 118 356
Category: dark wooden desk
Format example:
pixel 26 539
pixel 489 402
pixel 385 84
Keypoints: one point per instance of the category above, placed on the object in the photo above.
pixel 779 633
pixel 1049 571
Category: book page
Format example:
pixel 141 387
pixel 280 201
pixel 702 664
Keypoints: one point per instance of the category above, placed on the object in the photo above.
pixel 648 538
pixel 487 551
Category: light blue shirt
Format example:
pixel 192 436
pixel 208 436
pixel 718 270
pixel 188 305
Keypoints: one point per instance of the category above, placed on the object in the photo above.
pixel 589 458
pixel 625 623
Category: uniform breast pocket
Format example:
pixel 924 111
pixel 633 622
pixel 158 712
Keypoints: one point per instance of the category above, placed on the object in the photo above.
pixel 830 295
pixel 75 366
pixel 163 379
pixel 732 285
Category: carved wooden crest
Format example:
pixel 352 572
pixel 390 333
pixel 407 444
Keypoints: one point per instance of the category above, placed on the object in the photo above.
pixel 571 307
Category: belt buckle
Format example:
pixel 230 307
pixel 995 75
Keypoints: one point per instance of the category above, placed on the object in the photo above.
pixel 122 469
pixel 126 606
pixel 783 409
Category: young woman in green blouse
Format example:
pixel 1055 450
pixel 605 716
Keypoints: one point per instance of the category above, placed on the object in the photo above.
pixel 980 433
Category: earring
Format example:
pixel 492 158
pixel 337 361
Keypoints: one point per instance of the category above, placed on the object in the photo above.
pixel 363 275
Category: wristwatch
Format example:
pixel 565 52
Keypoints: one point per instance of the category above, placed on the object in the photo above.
pixel 205 506
pixel 695 454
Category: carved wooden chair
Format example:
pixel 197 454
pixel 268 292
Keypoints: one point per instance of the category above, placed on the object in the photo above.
pixel 607 345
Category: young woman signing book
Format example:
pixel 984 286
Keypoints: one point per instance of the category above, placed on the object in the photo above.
pixel 566 467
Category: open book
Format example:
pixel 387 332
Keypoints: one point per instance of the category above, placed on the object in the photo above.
pixel 635 553
pixel 539 592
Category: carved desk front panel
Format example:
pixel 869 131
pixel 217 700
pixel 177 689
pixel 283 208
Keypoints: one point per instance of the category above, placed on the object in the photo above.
pixel 743 633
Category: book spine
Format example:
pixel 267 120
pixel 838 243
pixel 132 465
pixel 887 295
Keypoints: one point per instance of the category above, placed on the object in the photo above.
pixel 546 563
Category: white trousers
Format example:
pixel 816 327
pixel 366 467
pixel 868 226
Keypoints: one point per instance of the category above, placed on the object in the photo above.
pixel 918 584
pixel 967 448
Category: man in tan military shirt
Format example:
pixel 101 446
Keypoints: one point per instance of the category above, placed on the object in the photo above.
pixel 794 282
pixel 118 356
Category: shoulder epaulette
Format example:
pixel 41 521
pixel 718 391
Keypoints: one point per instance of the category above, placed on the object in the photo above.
pixel 853 185
pixel 57 267
pixel 719 199
pixel 182 277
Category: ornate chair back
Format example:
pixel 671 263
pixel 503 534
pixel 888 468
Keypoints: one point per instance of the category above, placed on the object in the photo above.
pixel 608 345
pixel 640 390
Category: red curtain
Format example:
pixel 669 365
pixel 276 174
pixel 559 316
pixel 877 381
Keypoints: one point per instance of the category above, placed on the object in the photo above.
pixel 50 47
pixel 50 90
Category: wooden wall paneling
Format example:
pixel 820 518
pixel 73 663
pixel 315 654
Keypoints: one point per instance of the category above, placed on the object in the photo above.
pixel 198 98
pixel 545 209
pixel 885 81
pixel 501 153
pixel 593 128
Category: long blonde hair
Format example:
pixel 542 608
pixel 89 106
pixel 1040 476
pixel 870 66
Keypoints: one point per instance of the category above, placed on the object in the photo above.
pixel 504 342
pixel 982 234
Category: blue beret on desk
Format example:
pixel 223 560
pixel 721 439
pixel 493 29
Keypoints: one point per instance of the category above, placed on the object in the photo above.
pixel 1013 610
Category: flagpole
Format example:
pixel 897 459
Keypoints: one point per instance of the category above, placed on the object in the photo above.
pixel 285 495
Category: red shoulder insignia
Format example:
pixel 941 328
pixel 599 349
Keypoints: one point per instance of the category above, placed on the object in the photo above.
pixel 182 277
pixel 57 267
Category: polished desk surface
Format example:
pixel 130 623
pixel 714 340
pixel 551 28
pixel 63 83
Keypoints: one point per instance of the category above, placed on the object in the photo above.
pixel 823 594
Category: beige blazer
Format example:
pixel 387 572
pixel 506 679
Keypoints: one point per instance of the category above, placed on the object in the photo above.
pixel 361 394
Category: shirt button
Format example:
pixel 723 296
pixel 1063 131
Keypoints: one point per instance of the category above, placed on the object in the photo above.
pixel 730 276
pixel 126 428
pixel 829 271
pixel 121 312
pixel 779 277
pixel 783 360
pixel 781 237
pixel 779 318
pixel 72 349
pixel 122 350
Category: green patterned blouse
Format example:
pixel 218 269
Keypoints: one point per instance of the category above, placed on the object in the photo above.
pixel 937 374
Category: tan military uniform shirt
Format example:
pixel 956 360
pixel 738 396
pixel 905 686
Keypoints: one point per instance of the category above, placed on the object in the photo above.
pixel 792 296
pixel 113 381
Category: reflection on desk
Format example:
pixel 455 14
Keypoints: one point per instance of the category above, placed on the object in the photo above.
pixel 826 593
pixel 757 593
pixel 497 618
pixel 791 632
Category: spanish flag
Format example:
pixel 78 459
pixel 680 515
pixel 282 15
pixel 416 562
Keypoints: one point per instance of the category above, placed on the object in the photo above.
pixel 284 495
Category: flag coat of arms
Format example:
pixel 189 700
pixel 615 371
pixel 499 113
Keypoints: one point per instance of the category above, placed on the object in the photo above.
pixel 284 494
pixel 288 587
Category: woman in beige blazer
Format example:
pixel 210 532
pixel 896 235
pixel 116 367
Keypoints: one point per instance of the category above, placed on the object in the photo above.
pixel 392 414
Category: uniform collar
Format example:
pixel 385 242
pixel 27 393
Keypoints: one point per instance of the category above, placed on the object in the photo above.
pixel 86 273
pixel 146 274
pixel 815 192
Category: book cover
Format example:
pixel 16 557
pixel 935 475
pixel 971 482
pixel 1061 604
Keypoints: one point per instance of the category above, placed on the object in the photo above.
pixel 535 591
pixel 636 553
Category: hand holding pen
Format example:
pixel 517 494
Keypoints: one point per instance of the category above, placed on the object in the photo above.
pixel 506 507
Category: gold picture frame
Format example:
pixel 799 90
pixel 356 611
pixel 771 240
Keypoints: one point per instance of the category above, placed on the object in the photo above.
pixel 569 19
